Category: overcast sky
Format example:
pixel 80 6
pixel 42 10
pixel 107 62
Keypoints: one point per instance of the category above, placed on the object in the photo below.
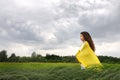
pixel 54 26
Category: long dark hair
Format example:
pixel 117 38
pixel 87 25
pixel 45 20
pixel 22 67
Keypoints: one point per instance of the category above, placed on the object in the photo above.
pixel 88 38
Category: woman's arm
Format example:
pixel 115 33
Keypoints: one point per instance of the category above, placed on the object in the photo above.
pixel 81 47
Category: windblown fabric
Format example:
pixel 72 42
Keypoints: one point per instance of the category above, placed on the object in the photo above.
pixel 87 57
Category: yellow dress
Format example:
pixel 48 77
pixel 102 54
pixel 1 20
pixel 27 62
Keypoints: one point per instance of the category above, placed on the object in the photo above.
pixel 87 57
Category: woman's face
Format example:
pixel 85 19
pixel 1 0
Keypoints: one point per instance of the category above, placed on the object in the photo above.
pixel 82 37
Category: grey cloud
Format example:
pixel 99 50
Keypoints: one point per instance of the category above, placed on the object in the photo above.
pixel 100 25
pixel 24 25
pixel 58 26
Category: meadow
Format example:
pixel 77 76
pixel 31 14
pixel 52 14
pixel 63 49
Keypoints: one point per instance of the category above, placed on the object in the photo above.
pixel 57 71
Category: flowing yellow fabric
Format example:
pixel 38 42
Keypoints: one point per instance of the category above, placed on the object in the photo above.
pixel 87 57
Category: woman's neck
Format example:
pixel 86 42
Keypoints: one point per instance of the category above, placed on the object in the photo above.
pixel 83 41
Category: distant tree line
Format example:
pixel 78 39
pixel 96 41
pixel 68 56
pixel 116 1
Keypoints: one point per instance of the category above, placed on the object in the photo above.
pixel 50 58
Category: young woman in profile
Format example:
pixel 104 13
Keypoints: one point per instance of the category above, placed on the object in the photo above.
pixel 85 54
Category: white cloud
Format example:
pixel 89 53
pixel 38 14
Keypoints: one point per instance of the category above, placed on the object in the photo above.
pixel 109 49
pixel 20 49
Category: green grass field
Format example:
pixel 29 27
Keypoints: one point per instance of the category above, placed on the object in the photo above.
pixel 56 71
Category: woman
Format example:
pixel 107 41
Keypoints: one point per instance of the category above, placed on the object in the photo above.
pixel 86 55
